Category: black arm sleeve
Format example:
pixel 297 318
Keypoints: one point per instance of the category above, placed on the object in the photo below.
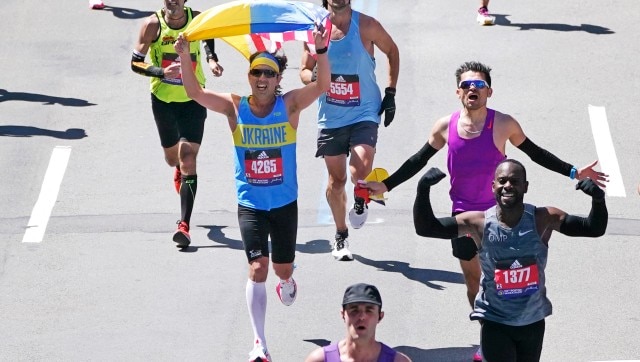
pixel 592 226
pixel 545 158
pixel 139 66
pixel 424 220
pixel 210 49
pixel 410 167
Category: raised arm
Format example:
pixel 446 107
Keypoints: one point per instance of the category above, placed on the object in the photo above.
pixel 593 225
pixel 217 102
pixel 299 99
pixel 428 225
pixel 548 160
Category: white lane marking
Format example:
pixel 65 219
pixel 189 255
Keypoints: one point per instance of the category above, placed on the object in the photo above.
pixel 606 152
pixel 48 195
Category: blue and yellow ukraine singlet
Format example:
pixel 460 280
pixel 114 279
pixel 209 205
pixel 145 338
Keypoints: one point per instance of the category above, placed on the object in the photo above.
pixel 265 158
pixel 162 54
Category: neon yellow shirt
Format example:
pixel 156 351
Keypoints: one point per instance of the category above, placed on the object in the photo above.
pixel 162 55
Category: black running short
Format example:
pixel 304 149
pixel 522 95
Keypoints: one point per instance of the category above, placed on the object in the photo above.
pixel 462 240
pixel 178 120
pixel 501 342
pixel 281 224
pixel 339 141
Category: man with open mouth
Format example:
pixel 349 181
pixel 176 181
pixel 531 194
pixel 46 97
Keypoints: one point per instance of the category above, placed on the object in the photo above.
pixel 476 137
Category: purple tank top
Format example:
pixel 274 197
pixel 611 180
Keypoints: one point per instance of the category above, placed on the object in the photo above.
pixel 472 164
pixel 332 354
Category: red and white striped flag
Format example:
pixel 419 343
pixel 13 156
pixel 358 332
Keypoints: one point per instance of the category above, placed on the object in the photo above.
pixel 271 42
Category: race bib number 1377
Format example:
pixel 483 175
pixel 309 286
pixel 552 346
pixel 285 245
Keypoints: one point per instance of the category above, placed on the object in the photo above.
pixel 516 278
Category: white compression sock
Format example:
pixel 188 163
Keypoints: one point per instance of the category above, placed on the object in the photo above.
pixel 256 294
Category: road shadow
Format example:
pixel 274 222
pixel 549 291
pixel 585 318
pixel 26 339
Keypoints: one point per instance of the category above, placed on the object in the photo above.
pixel 428 277
pixel 318 342
pixel 318 246
pixel 216 235
pixel 30 131
pixel 6 95
pixel 127 13
pixel 451 354
pixel 502 20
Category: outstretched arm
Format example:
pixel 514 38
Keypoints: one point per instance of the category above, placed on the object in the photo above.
pixel 410 167
pixel 546 159
pixel 593 225
pixel 415 163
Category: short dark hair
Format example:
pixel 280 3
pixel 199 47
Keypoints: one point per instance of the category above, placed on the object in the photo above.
pixel 474 67
pixel 515 162
pixel 325 4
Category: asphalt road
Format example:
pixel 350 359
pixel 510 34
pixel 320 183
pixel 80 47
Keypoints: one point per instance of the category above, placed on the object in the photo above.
pixel 106 283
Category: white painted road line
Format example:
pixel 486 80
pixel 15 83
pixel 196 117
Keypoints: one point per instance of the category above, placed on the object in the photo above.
pixel 606 152
pixel 48 195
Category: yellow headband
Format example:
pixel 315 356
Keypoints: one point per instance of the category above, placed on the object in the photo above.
pixel 265 59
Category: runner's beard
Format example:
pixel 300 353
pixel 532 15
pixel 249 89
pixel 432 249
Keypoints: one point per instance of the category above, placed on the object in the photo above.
pixel 339 7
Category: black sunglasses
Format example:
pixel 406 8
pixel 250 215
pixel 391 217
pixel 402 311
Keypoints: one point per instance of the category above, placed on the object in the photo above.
pixel 260 72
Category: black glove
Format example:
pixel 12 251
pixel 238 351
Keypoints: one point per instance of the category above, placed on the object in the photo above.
pixel 590 188
pixel 388 105
pixel 432 177
pixel 314 74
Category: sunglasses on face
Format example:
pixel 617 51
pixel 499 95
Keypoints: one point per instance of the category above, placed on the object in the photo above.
pixel 260 72
pixel 477 83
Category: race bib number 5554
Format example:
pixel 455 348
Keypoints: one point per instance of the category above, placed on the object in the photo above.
pixel 344 90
